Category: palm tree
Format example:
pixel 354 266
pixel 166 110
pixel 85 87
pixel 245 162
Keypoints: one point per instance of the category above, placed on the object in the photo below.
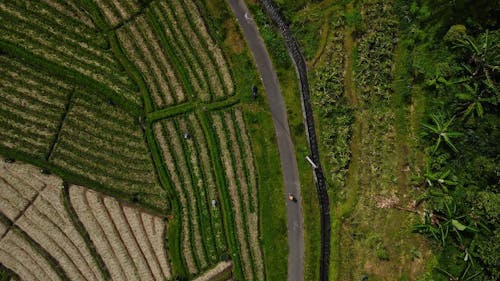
pixel 441 131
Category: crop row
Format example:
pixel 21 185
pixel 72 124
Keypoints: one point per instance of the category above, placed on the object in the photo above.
pixel 31 105
pixel 56 233
pixel 184 165
pixel 70 8
pixel 195 56
pixel 189 19
pixel 242 193
pixel 35 205
pixel 130 243
pixel 378 38
pixel 47 222
pixel 16 191
pixel 113 153
pixel 20 256
pixel 185 215
pixel 143 48
pixel 23 28
pixel 117 11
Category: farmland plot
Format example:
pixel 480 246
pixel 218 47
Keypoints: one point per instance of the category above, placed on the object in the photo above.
pixel 142 47
pixel 31 105
pixel 187 36
pixel 242 188
pixel 38 29
pixel 186 159
pixel 106 145
pixel 39 239
pixel 71 9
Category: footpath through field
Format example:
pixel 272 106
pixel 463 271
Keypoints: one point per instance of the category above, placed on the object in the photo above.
pixel 285 145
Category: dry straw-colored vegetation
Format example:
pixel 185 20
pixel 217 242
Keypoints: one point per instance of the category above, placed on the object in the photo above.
pixel 41 239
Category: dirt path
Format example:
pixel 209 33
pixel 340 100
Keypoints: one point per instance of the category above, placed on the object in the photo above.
pixel 285 145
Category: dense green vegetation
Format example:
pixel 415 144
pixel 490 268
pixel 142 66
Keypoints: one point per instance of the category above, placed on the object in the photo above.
pixel 456 60
pixel 406 96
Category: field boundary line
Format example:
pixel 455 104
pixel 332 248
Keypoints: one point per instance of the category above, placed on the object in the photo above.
pixel 189 107
pixel 21 213
pixel 67 106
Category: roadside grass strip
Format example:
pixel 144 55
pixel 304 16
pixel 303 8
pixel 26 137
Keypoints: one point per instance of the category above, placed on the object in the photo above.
pixel 31 105
pixel 84 52
pixel 130 242
pixel 113 153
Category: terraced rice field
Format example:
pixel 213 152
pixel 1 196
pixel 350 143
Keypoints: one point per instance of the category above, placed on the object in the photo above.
pixel 82 54
pixel 240 173
pixel 113 153
pixel 31 105
pixel 170 45
pixel 188 165
pixel 41 231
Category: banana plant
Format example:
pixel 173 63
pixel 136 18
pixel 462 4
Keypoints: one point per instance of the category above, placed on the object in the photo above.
pixel 472 102
pixel 443 179
pixel 464 275
pixel 441 131
pixel 482 54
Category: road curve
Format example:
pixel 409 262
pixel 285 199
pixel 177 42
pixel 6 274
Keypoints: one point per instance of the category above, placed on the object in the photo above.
pixel 285 145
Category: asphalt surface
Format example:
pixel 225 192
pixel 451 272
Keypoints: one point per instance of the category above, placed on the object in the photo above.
pixel 285 145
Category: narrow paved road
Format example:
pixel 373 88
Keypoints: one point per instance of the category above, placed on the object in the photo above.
pixel 285 145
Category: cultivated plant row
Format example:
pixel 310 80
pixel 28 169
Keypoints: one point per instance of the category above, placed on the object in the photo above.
pixel 43 232
pixel 83 54
pixel 112 153
pixel 72 9
pixel 185 155
pixel 31 105
pixel 173 50
pixel 240 182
